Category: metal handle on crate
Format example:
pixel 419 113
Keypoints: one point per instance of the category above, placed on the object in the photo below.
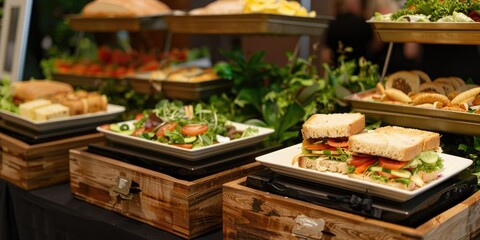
pixel 308 228
pixel 124 188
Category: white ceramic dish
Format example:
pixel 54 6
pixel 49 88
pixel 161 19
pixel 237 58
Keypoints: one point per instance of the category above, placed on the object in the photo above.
pixel 67 122
pixel 189 154
pixel 281 161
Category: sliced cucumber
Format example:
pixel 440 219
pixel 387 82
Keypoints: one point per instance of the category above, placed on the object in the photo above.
pixel 124 127
pixel 428 157
pixel 326 152
pixel 190 139
pixel 401 173
pixel 376 169
pixel 127 132
pixel 114 127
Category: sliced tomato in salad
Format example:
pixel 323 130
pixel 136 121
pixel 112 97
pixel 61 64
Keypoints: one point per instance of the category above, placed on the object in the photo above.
pixel 360 169
pixel 105 126
pixel 139 116
pixel 391 164
pixel 183 145
pixel 170 126
pixel 338 142
pixel 194 129
pixel 138 131
pixel 360 160
pixel 318 146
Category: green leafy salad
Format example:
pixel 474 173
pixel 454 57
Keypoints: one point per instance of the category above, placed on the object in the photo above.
pixel 181 125
pixel 434 11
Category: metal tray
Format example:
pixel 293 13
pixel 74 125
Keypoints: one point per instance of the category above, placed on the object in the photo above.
pixel 113 24
pixel 436 33
pixel 415 117
pixel 248 23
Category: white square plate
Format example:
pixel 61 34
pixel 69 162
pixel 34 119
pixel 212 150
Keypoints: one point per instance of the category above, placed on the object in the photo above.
pixel 281 161
pixel 189 154
pixel 66 122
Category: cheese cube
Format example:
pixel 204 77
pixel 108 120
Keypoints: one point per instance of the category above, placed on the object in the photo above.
pixel 27 109
pixel 51 111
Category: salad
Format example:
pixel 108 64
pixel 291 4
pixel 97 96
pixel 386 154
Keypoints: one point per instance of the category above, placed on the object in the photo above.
pixel 181 125
pixel 433 11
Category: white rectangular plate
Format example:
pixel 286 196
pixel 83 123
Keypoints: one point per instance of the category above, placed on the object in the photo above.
pixel 66 122
pixel 189 154
pixel 281 161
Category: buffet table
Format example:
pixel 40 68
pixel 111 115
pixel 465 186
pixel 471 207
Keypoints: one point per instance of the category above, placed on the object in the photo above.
pixel 52 213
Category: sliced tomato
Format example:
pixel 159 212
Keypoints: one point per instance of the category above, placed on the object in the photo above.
pixel 139 116
pixel 387 175
pixel 194 129
pixel 184 145
pixel 360 160
pixel 360 169
pixel 138 131
pixel 319 146
pixel 390 163
pixel 170 126
pixel 342 142
pixel 105 126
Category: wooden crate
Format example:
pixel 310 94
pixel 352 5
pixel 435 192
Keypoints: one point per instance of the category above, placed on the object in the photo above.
pixel 184 208
pixel 252 214
pixel 39 165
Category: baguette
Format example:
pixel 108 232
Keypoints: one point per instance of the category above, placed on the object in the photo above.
pixel 35 89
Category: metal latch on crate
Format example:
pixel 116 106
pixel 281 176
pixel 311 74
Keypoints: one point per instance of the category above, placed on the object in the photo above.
pixel 124 188
pixel 308 228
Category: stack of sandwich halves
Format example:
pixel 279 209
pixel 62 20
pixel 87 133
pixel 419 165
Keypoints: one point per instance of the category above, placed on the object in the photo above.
pixel 400 157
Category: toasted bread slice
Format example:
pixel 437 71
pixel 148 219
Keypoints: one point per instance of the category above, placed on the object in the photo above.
pixel 395 146
pixel 431 140
pixel 333 125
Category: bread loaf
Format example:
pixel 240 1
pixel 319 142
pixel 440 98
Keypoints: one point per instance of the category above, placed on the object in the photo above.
pixel 124 8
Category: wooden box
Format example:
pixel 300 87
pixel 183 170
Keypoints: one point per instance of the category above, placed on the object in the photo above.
pixel 39 165
pixel 184 208
pixel 252 214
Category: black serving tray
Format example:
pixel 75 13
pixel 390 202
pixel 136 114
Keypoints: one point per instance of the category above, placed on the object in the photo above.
pixel 411 213
pixel 179 168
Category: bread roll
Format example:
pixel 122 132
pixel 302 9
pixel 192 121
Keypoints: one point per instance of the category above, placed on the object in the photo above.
pixel 35 89
pixel 404 81
pixel 124 8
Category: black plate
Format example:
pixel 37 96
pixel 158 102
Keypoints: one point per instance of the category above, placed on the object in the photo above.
pixel 32 137
pixel 410 213
pixel 179 168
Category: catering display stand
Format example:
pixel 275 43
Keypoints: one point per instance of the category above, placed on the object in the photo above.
pixel 187 208
pixel 253 214
pixel 32 166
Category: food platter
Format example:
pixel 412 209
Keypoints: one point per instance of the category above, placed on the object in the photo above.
pixel 415 117
pixel 281 161
pixel 188 154
pixel 428 32
pixel 247 23
pixel 112 24
pixel 67 122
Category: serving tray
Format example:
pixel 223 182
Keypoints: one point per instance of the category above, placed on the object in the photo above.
pixel 432 32
pixel 416 117
pixel 248 23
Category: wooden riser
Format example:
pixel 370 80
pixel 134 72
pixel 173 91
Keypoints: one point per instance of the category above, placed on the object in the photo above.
pixel 253 214
pixel 185 208
pixel 41 165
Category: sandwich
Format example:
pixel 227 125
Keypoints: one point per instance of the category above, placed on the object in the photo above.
pixel 403 158
pixel 325 141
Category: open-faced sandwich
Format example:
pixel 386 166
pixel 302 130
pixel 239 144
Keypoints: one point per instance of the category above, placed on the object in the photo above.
pixel 325 141
pixel 404 158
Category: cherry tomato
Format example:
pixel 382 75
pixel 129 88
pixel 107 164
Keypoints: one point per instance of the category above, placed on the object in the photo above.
pixel 390 163
pixel 138 131
pixel 319 146
pixel 360 169
pixel 139 116
pixel 194 129
pixel 387 175
pixel 337 142
pixel 358 161
pixel 185 145
pixel 170 126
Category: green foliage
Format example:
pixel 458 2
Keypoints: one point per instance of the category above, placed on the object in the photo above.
pixel 471 149
pixel 6 100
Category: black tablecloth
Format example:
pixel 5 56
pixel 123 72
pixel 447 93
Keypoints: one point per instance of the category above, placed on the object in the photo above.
pixel 52 213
